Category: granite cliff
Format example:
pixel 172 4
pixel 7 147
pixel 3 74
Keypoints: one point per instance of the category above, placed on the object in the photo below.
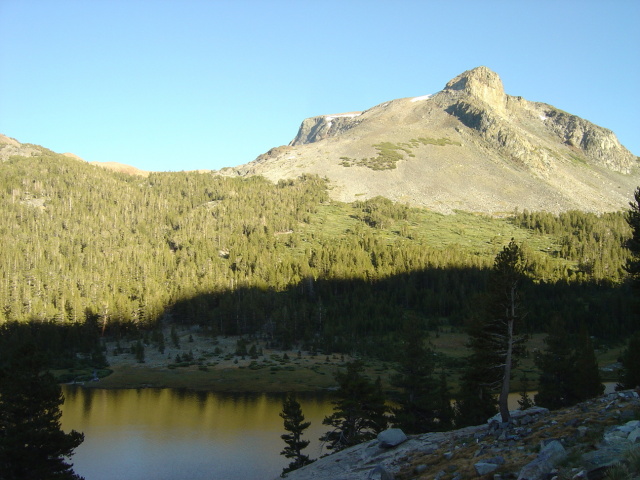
pixel 470 146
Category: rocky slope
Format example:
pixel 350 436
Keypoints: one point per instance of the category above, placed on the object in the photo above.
pixel 580 442
pixel 470 147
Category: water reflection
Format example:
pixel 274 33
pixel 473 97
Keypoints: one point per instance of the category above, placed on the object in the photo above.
pixel 165 434
pixel 174 434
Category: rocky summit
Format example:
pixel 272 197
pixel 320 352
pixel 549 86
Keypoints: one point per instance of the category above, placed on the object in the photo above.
pixel 583 442
pixel 469 147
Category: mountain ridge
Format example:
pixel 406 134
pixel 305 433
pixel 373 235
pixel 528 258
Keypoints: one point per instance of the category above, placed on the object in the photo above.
pixel 468 147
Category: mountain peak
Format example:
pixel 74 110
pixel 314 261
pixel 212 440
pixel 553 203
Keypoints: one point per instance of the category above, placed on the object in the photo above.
pixel 468 147
pixel 481 83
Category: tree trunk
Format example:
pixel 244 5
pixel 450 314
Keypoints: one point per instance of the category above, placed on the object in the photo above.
pixel 504 394
pixel 506 380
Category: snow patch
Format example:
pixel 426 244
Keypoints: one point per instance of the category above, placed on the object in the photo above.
pixel 423 97
pixel 543 117
pixel 342 115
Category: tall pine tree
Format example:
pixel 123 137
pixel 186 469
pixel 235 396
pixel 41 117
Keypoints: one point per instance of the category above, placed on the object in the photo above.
pixel 633 244
pixel 294 424
pixel 556 368
pixel 630 359
pixel 494 341
pixel 569 371
pixel 32 443
pixel 587 382
pixel 417 410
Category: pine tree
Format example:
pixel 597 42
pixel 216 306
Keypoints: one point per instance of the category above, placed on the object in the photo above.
pixel 630 359
pixel 569 369
pixel 417 404
pixel 445 412
pixel 507 276
pixel 32 444
pixel 556 368
pixel 494 342
pixel 633 244
pixel 476 400
pixel 587 382
pixel 525 400
pixel 358 413
pixel 295 424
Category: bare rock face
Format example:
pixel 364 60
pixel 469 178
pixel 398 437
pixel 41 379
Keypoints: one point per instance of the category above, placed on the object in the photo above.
pixel 481 105
pixel 599 145
pixel 470 147
pixel 315 129
pixel 481 84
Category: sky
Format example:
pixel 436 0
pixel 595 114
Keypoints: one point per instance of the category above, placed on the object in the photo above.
pixel 169 85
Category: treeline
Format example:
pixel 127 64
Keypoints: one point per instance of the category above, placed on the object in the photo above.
pixel 246 256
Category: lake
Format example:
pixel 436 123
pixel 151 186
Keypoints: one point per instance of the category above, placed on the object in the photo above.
pixel 166 434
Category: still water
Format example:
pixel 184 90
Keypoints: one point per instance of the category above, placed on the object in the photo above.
pixel 165 434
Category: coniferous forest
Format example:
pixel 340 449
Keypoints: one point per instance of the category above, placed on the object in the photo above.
pixel 86 248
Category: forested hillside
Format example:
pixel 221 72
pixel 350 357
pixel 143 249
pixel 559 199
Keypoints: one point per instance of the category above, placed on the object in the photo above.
pixel 244 255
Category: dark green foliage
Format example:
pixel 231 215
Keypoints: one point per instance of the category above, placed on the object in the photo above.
pixel 419 402
pixel 494 341
pixel 241 347
pixel 633 244
pixel 242 255
pixel 594 242
pixel 476 401
pixel 294 424
pixel 253 352
pixel 630 359
pixel 380 212
pixel 138 350
pixel 506 309
pixel 359 411
pixel 556 367
pixel 587 382
pixel 525 400
pixel 445 411
pixel 61 346
pixel 389 154
pixel 569 370
pixel 32 444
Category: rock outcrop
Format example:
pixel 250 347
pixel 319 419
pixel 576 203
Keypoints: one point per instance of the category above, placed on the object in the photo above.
pixel 470 146
pixel 478 100
pixel 315 129
pixel 579 442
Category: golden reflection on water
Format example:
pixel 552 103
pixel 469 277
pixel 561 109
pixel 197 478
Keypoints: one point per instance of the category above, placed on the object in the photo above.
pixel 165 434
pixel 174 408
pixel 172 434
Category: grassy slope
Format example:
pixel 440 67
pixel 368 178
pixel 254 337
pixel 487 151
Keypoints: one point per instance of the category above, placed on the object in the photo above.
pixel 478 234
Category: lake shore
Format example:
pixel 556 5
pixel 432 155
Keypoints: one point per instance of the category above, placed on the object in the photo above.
pixel 199 362
pixel 202 363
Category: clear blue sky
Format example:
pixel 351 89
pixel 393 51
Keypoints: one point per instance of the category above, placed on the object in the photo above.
pixel 187 84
